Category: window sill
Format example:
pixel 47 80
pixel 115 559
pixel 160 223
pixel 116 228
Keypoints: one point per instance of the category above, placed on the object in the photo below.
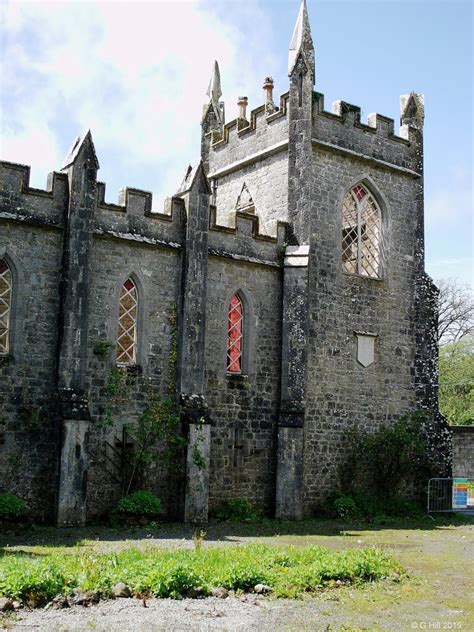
pixel 236 376
pixel 131 369
pixel 357 277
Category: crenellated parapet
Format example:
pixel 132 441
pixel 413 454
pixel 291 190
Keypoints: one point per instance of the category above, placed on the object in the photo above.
pixel 342 130
pixel 132 217
pixel 245 241
pixel 20 202
pixel 264 128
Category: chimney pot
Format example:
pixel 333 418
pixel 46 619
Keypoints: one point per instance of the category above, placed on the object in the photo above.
pixel 242 103
pixel 268 90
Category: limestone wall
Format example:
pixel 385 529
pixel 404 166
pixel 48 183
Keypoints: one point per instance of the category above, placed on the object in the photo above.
pixel 28 402
pixel 342 394
pixel 156 273
pixel 243 408
pixel 463 451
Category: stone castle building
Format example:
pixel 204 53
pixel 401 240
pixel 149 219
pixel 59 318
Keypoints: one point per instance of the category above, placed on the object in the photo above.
pixel 293 259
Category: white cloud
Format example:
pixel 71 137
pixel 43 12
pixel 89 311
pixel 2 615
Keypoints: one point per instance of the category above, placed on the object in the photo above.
pixel 134 73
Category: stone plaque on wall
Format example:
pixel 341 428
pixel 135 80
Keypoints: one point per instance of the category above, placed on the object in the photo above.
pixel 365 347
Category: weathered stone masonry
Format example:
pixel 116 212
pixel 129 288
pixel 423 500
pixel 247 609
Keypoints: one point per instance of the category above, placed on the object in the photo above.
pixel 260 217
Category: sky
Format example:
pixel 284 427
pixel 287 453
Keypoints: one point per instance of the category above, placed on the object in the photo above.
pixel 136 74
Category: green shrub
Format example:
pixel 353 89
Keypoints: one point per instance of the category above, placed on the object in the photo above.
pixel 402 507
pixel 346 508
pixel 289 571
pixel 358 506
pixel 24 578
pixel 140 504
pixel 245 575
pixel 394 458
pixel 12 507
pixel 102 348
pixel 237 510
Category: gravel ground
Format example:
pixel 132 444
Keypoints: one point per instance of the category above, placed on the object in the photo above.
pixel 231 614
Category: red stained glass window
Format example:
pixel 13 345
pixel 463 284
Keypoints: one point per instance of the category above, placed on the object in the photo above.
pixel 127 324
pixel 235 323
pixel 359 192
pixel 5 305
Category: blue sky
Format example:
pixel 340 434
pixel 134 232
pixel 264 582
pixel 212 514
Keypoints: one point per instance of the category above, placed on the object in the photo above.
pixel 136 74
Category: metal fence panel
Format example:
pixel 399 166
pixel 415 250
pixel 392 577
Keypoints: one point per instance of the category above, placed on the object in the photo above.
pixel 450 494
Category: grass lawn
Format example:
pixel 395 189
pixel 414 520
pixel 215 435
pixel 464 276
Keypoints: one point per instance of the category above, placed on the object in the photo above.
pixel 331 564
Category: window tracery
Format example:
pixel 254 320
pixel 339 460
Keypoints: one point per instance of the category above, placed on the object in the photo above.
pixel 235 322
pixel 361 233
pixel 127 324
pixel 6 283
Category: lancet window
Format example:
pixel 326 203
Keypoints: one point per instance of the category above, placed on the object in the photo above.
pixel 361 233
pixel 235 334
pixel 127 324
pixel 6 284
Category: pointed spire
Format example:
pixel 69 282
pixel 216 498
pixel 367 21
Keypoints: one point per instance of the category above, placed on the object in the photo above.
pixel 301 42
pixel 85 143
pixel 214 91
pixel 412 109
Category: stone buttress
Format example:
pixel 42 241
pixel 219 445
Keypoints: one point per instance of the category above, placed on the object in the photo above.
pixel 289 481
pixel 191 385
pixel 81 168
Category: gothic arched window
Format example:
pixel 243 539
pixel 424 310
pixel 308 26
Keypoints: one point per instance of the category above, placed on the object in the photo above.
pixel 361 233
pixel 127 324
pixel 235 334
pixel 6 283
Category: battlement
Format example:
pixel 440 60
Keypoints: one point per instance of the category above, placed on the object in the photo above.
pixel 245 241
pixel 27 204
pixel 341 128
pixel 241 137
pixel 132 215
pixel 132 219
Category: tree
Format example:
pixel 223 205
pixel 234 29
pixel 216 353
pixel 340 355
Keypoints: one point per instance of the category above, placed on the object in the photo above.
pixel 456 311
pixel 456 381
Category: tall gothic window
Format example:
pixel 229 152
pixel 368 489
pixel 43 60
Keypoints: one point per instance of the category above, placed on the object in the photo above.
pixel 361 234
pixel 235 333
pixel 5 305
pixel 127 324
